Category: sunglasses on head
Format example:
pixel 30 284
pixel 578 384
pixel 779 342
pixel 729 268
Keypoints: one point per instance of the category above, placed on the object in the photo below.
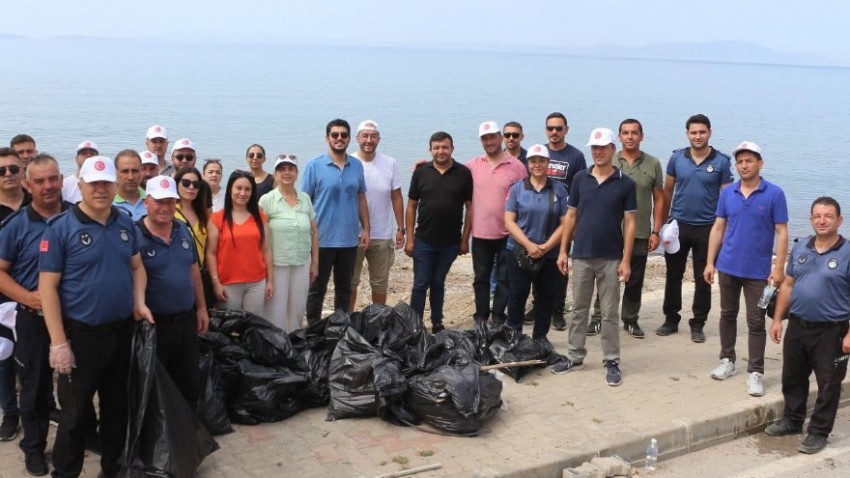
pixel 554 128
pixel 184 157
pixel 188 183
pixel 339 134
pixel 13 169
pixel 512 135
pixel 256 155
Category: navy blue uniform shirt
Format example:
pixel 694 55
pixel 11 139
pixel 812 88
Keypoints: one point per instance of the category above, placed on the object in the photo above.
pixel 821 290
pixel 170 289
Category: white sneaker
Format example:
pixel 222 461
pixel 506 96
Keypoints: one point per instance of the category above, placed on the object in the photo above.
pixel 755 384
pixel 725 370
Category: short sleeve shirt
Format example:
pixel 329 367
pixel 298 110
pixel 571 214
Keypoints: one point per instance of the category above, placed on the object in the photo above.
pixel 382 178
pixel 240 250
pixel 538 213
pixel 96 287
pixel 20 236
pixel 697 185
pixel 600 209
pixel 647 175
pixel 747 250
pixel 565 163
pixel 441 199
pixel 489 193
pixel 334 193
pixel 821 291
pixel 135 211
pixel 170 289
pixel 290 229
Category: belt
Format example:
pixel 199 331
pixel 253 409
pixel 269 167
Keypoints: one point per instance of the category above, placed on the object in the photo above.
pixel 102 328
pixel 821 324
pixel 30 310
pixel 173 318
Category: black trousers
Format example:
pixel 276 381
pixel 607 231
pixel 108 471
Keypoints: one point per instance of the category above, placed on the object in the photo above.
pixel 488 254
pixel 692 238
pixel 178 351
pixel 813 347
pixel 546 280
pixel 103 360
pixel 341 260
pixel 32 355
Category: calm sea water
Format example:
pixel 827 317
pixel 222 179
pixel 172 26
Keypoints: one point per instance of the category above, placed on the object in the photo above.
pixel 226 97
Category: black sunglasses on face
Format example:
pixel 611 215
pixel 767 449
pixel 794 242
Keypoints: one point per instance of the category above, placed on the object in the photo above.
pixel 13 170
pixel 554 128
pixel 336 134
pixel 256 155
pixel 512 135
pixel 184 157
pixel 187 183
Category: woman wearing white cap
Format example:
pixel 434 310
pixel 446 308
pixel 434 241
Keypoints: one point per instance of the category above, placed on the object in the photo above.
pixel 294 241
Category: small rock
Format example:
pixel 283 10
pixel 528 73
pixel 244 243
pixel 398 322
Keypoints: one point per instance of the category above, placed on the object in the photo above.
pixel 586 470
pixel 612 465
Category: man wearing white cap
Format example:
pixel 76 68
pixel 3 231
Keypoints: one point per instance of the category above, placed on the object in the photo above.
pixel 150 166
pixel 92 285
pixel 601 220
pixel 492 175
pixel 183 155
pixel 128 166
pixel 70 188
pixel 386 213
pixel 19 251
pixel 156 141
pixel 174 292
pixel 750 214
pixel 695 176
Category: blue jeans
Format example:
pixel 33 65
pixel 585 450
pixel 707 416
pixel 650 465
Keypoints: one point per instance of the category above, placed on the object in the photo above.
pixel 8 394
pixel 431 265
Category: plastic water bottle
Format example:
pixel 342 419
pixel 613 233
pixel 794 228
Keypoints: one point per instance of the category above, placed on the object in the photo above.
pixel 652 455
pixel 766 295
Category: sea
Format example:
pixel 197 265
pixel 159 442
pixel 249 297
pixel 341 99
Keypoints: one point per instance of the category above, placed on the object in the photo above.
pixel 226 97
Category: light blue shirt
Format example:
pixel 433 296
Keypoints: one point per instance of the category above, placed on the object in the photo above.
pixel 335 193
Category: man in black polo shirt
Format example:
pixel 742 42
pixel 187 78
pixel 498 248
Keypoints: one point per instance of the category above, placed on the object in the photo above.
pixel 19 243
pixel 816 292
pixel 439 190
pixel 601 219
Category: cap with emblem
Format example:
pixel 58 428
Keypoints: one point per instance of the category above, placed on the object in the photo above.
pixel 670 237
pixel 184 143
pixel 368 125
pixel 98 168
pixel 161 187
pixel 747 146
pixel 149 158
pixel 539 151
pixel 601 137
pixel 156 131
pixel 87 144
pixel 488 127
pixel 286 159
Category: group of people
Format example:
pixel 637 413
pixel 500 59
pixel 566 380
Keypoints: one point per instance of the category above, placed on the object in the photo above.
pixel 140 238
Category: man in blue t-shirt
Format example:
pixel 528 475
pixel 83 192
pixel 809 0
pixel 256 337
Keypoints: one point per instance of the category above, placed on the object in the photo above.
pixel 695 176
pixel 816 292
pixel 749 215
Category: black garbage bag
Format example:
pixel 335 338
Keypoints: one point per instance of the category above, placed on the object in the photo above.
pixel 212 341
pixel 212 403
pixel 267 394
pixel 401 333
pixel 350 378
pixel 316 344
pixel 373 321
pixel 235 322
pixel 271 347
pixel 390 386
pixel 508 345
pixel 164 435
pixel 454 398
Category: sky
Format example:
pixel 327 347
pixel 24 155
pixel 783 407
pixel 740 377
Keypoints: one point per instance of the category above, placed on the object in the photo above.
pixel 808 28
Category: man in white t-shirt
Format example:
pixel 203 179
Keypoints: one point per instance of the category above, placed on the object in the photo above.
pixel 386 206
pixel 70 185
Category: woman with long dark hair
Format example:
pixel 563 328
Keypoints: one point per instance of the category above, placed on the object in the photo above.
pixel 192 207
pixel 255 156
pixel 239 255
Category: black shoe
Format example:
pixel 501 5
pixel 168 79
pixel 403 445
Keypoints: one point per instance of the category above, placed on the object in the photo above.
pixel 813 443
pixel 529 316
pixel 785 426
pixel 559 322
pixel 437 327
pixel 634 330
pixel 54 417
pixel 593 328
pixel 36 464
pixel 9 427
pixel 668 328
pixel 613 376
pixel 697 335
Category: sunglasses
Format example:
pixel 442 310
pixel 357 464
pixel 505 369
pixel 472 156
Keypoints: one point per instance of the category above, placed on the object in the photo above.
pixel 336 134
pixel 13 170
pixel 185 157
pixel 512 135
pixel 290 157
pixel 188 183
pixel 256 155
pixel 554 128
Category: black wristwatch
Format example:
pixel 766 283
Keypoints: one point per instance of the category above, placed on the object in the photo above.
pixel 402 230
pixel 654 233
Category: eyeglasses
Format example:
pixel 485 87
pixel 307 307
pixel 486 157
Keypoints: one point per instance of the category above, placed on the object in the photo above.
pixel 291 157
pixel 13 170
pixel 188 183
pixel 338 134
pixel 185 157
pixel 554 128
pixel 512 135
pixel 256 155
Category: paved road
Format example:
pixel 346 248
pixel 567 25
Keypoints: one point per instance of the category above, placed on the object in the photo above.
pixel 758 456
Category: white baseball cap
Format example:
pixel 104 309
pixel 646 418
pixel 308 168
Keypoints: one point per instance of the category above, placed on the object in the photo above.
pixel 149 158
pixel 747 146
pixel 670 237
pixel 538 150
pixel 488 127
pixel 156 131
pixel 601 137
pixel 161 187
pixel 87 144
pixel 98 168
pixel 287 159
pixel 368 125
pixel 183 144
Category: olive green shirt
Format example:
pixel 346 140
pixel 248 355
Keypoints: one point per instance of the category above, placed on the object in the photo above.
pixel 646 173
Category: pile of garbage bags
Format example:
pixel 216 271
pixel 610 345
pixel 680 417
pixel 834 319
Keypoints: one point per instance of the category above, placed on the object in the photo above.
pixel 377 362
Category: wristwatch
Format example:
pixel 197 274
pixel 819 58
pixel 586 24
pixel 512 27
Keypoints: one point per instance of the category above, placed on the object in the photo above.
pixel 402 230
pixel 654 233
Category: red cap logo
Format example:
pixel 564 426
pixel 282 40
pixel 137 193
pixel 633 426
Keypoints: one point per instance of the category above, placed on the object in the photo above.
pixel 157 129
pixel 147 154
pixel 185 141
pixel 100 165
pixel 87 145
pixel 598 135
pixel 537 149
pixel 486 126
pixel 164 183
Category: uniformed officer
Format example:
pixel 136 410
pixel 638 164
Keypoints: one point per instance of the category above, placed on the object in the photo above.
pixel 816 292
pixel 91 283
pixel 19 239
pixel 174 292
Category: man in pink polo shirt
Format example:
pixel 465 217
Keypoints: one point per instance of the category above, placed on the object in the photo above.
pixel 492 175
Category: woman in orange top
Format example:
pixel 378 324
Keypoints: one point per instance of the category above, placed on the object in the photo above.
pixel 239 255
